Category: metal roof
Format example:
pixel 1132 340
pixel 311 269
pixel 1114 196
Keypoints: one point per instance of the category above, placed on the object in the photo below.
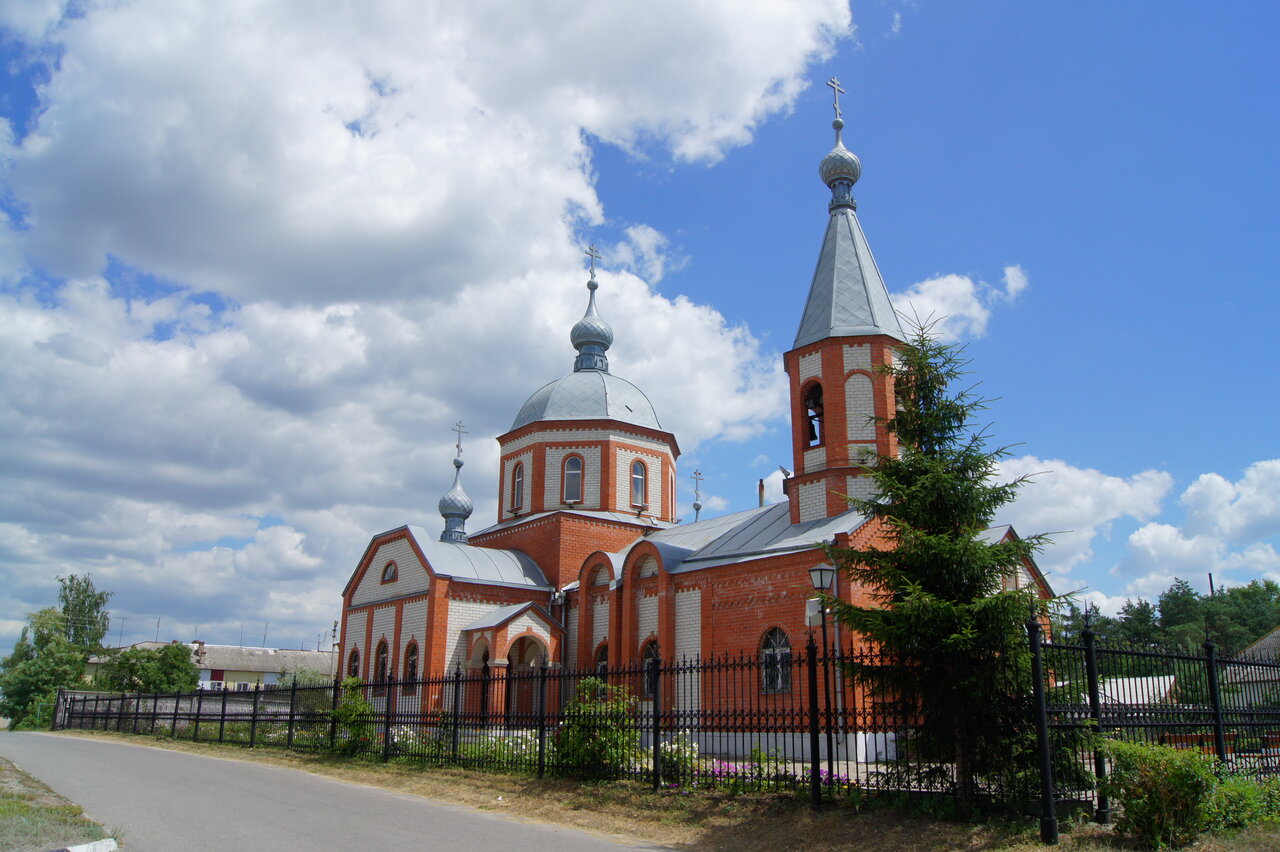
pixel 244 659
pixel 481 564
pixel 494 617
pixel 747 535
pixel 587 395
pixel 848 296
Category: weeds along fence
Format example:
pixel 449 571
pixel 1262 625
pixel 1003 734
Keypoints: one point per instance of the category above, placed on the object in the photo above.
pixel 773 722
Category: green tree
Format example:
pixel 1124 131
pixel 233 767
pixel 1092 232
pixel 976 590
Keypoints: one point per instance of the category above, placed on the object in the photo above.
pixel 84 610
pixel 954 640
pixel 166 669
pixel 1139 624
pixel 42 661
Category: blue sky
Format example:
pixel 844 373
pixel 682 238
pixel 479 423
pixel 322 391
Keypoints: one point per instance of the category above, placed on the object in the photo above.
pixel 250 277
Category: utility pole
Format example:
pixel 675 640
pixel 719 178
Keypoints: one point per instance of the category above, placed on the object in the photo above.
pixel 120 638
pixel 264 633
pixel 157 629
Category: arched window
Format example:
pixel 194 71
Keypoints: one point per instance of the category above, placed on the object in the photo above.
pixel 380 662
pixel 411 667
pixel 639 485
pixel 650 680
pixel 353 664
pixel 389 573
pixel 573 479
pixel 813 411
pixel 775 661
pixel 517 487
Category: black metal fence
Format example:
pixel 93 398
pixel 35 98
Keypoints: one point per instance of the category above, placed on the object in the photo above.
pixel 776 722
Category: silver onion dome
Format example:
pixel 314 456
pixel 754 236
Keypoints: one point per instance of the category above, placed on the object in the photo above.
pixel 455 508
pixel 840 163
pixel 591 335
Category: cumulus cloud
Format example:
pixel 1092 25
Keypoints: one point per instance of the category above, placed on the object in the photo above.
pixel 959 306
pixel 1077 505
pixel 283 248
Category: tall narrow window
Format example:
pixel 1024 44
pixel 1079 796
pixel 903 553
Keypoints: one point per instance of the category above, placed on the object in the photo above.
pixel 411 667
pixel 649 653
pixel 639 484
pixel 813 411
pixel 517 487
pixel 602 658
pixel 775 661
pixel 380 663
pixel 353 664
pixel 573 479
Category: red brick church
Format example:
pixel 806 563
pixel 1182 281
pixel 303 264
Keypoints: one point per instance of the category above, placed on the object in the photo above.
pixel 587 565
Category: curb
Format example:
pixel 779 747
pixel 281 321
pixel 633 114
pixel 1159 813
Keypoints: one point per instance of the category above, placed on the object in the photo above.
pixel 108 845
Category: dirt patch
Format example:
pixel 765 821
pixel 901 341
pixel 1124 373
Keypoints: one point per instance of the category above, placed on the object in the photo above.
pixel 34 818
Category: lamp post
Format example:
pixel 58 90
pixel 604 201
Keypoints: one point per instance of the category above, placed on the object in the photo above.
pixel 822 576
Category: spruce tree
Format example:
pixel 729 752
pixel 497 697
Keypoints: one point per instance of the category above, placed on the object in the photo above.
pixel 951 656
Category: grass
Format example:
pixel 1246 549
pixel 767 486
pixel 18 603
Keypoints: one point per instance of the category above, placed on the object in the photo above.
pixel 700 820
pixel 34 818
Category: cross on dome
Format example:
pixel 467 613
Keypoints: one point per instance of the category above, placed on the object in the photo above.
pixel 456 506
pixel 591 335
pixel 836 92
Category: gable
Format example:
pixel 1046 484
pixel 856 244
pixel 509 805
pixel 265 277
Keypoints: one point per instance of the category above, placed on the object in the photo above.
pixel 411 575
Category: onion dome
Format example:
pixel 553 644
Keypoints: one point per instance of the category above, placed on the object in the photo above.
pixel 591 335
pixel 840 170
pixel 456 506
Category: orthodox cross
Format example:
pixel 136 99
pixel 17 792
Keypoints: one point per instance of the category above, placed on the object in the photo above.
pixel 697 482
pixel 594 255
pixel 836 92
pixel 457 427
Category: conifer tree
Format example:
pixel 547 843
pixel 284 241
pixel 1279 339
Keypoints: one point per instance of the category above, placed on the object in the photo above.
pixel 953 655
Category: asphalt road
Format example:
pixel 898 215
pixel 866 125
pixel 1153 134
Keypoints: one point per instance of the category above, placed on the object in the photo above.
pixel 168 801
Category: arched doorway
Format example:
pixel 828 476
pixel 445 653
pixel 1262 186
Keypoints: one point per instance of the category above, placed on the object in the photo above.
pixel 523 663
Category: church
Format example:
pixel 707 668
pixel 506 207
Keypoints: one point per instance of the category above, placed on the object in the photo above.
pixel 586 565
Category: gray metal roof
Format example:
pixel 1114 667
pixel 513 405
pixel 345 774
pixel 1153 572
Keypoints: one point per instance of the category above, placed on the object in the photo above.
pixel 587 395
pixel 747 535
pixel 480 564
pixel 244 659
pixel 848 296
pixel 494 617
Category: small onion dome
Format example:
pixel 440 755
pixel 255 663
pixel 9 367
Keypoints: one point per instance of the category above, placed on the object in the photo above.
pixel 840 163
pixel 456 503
pixel 591 329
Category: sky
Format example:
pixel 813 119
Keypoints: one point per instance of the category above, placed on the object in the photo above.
pixel 256 259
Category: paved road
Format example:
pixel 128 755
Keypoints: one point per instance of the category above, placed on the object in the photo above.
pixel 168 801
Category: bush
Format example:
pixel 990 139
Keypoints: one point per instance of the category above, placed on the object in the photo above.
pixel 679 758
pixel 355 718
pixel 1163 792
pixel 599 737
pixel 1237 802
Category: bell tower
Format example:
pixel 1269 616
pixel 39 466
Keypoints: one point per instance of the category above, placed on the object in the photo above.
pixel 839 396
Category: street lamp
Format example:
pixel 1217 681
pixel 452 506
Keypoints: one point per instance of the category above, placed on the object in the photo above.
pixel 822 576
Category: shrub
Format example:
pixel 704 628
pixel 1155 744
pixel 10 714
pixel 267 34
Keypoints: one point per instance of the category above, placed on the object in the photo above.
pixel 1162 792
pixel 1237 802
pixel 599 737
pixel 679 757
pixel 355 718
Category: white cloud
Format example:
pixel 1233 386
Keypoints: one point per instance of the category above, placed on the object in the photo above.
pixel 1242 511
pixel 1077 505
pixel 773 492
pixel 958 306
pixel 389 199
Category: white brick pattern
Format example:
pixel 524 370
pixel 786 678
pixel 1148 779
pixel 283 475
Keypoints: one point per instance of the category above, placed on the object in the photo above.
pixel 648 567
pixel 813 500
pixel 528 622
pixel 815 459
pixel 857 356
pixel 647 619
pixel 508 467
pixel 462 613
pixel 571 636
pixel 859 408
pixel 384 627
pixel 688 646
pixel 810 365
pixel 413 627
pixel 862 487
pixel 552 495
pixel 599 622
pixel 356 623
pixel 411 577
pixel 653 483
